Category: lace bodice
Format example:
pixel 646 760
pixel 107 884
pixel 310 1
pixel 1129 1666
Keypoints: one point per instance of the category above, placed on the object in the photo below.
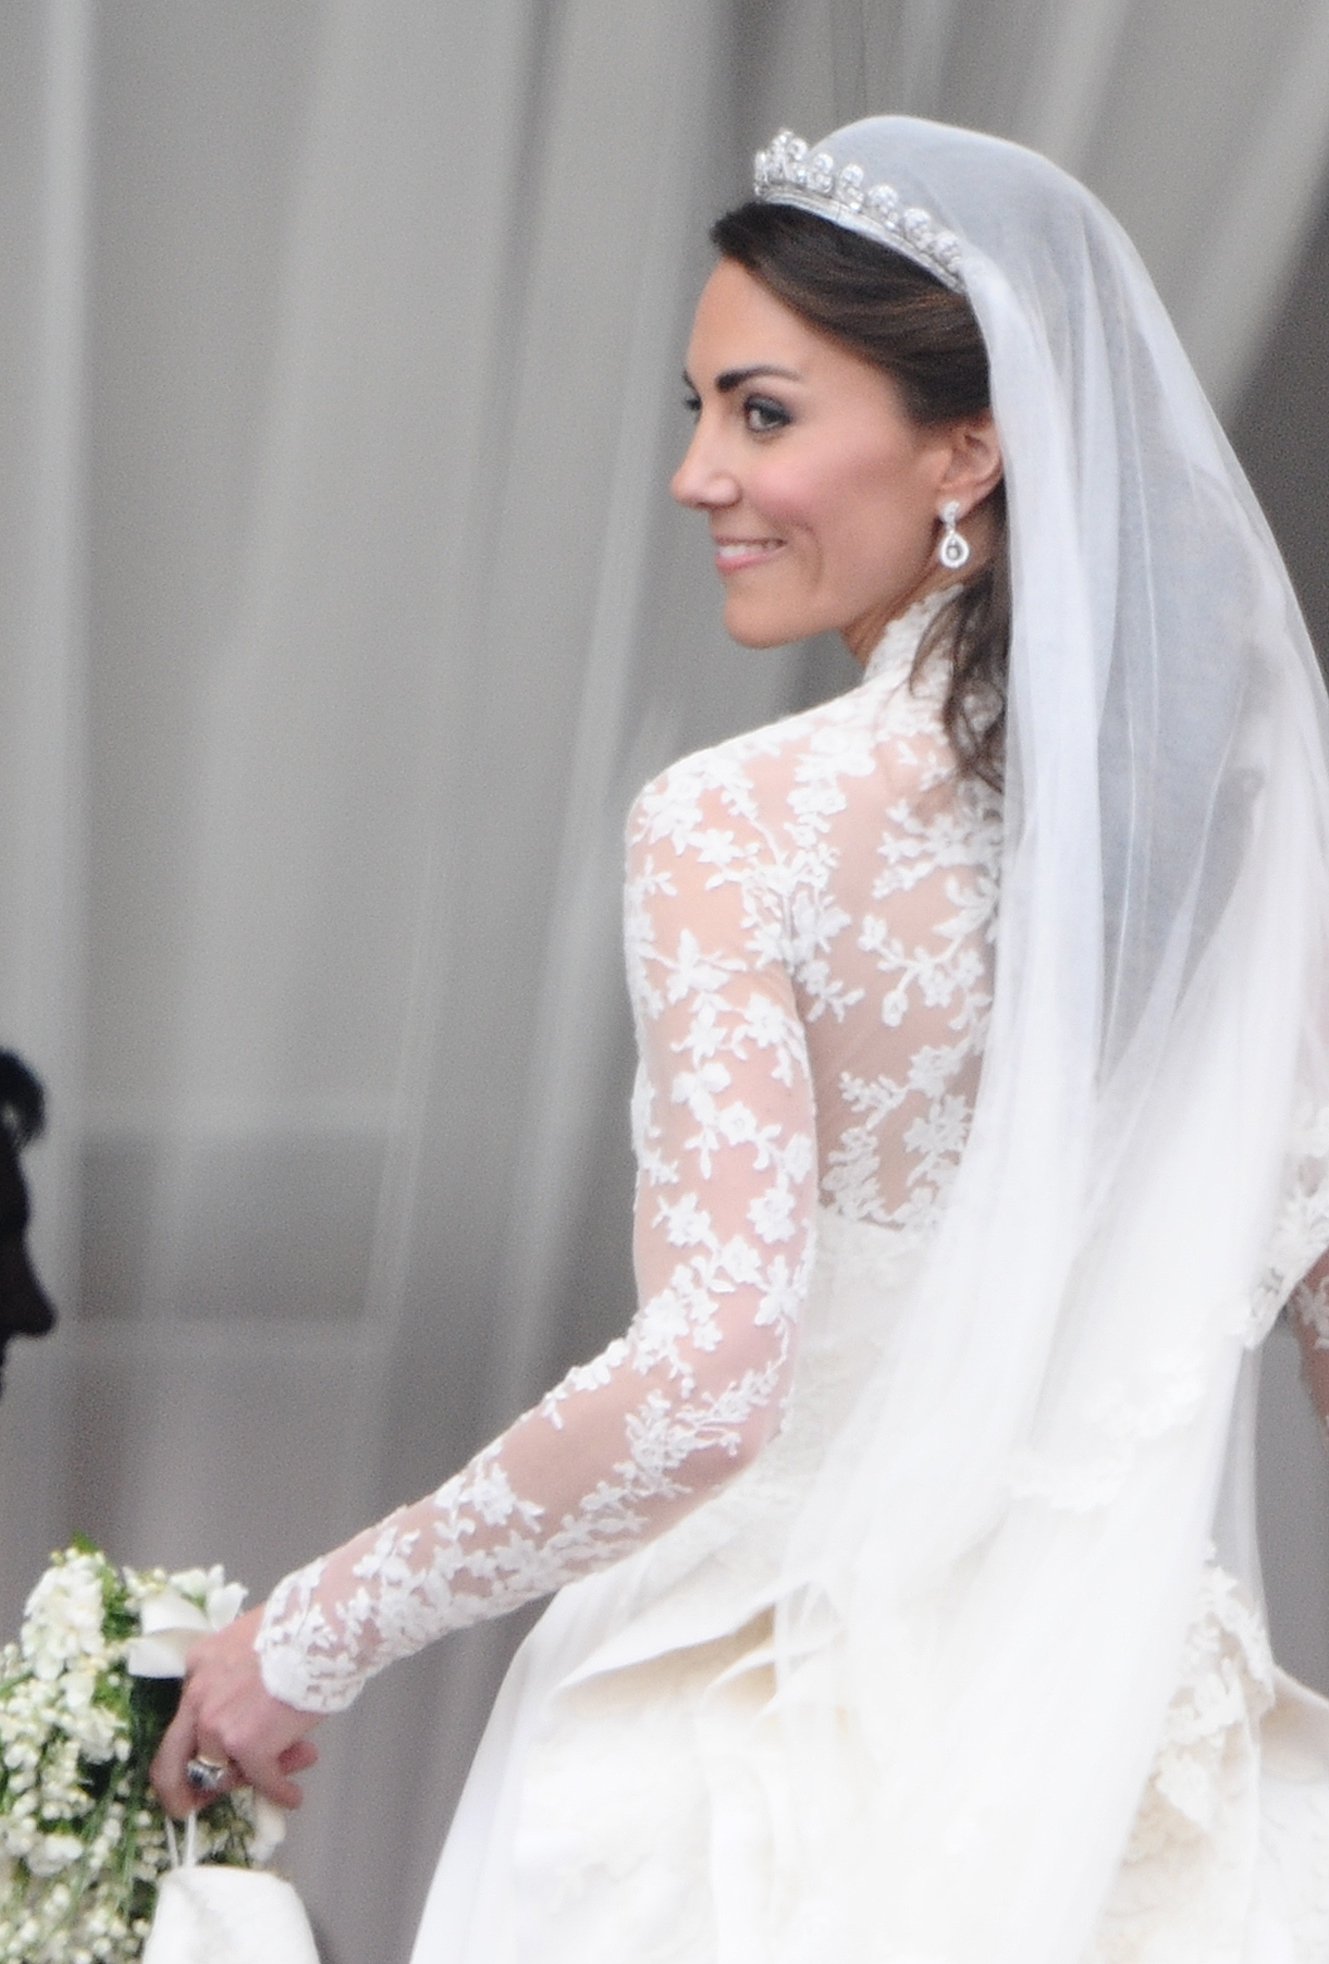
pixel 809 921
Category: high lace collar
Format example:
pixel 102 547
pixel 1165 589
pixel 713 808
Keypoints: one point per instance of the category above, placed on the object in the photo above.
pixel 894 654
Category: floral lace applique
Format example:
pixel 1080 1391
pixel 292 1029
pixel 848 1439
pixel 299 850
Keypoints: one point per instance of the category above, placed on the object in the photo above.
pixel 809 925
pixel 1309 1304
pixel 1301 1235
pixel 1160 1395
pixel 1226 1683
pixel 1182 1888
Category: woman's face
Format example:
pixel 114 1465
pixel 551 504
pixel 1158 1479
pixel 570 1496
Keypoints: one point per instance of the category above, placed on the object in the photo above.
pixel 823 496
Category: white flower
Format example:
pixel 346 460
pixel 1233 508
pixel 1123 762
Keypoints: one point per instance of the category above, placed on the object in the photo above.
pixel 175 1615
pixel 93 1726
pixel 63 1619
pixel 269 1830
pixel 54 1852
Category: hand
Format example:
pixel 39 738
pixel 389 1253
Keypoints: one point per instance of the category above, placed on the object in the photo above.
pixel 227 1714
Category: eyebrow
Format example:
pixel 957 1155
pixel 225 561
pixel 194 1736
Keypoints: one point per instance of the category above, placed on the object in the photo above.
pixel 734 378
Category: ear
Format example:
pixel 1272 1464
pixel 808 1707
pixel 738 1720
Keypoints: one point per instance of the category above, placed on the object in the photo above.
pixel 973 463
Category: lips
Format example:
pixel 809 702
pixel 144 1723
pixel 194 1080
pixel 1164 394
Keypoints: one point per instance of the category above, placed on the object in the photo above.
pixel 731 555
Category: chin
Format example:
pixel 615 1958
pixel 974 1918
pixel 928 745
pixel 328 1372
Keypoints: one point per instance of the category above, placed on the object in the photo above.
pixel 765 634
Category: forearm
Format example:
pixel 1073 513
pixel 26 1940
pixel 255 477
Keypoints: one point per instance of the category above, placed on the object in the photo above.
pixel 604 1464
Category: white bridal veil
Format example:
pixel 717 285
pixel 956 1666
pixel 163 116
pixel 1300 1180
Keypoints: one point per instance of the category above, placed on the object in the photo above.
pixel 1003 1556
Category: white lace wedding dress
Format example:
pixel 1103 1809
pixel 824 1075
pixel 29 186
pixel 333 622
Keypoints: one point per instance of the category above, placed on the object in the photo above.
pixel 810 928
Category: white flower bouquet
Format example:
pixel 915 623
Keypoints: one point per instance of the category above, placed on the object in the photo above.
pixel 85 1696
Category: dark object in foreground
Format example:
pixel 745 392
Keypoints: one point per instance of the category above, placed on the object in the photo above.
pixel 25 1308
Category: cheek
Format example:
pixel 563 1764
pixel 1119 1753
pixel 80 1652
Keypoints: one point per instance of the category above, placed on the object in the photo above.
pixel 878 521
pixel 790 497
pixel 829 511
pixel 860 506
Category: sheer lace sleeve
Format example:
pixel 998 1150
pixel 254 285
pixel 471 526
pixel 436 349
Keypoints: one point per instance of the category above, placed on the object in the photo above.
pixel 1308 1308
pixel 628 1443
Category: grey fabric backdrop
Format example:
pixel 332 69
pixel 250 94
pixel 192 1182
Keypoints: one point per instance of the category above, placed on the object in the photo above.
pixel 343 611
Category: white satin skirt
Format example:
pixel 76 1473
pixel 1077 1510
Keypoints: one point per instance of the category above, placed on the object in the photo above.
pixel 633 1798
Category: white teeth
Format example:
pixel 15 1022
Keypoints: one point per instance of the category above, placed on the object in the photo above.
pixel 738 548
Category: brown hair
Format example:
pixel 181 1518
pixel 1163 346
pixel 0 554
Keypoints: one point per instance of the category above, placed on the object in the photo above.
pixel 896 315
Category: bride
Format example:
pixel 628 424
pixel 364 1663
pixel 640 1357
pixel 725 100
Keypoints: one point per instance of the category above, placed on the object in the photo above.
pixel 908 1603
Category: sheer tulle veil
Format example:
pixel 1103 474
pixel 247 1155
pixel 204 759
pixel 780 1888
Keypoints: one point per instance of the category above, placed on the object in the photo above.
pixel 996 1571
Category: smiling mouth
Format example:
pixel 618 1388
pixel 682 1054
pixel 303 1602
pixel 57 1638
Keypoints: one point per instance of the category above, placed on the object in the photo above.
pixel 730 554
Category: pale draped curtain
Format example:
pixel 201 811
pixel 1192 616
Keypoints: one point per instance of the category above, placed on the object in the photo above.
pixel 343 611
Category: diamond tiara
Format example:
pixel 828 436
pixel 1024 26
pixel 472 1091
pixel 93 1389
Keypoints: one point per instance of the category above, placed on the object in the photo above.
pixel 788 174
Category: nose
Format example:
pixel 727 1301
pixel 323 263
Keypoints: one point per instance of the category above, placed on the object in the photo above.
pixel 702 482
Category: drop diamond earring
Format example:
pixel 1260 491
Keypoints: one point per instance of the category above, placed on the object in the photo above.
pixel 954 549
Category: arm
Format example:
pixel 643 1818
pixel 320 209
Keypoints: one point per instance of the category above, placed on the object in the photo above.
pixel 671 1411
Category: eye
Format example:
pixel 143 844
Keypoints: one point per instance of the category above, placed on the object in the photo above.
pixel 763 415
pixel 692 403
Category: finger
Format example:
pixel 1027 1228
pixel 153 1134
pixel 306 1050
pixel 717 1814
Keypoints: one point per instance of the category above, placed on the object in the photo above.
pixel 207 1778
pixel 187 1751
pixel 168 1767
pixel 298 1758
pixel 277 1786
pixel 210 1772
pixel 180 1797
pixel 262 1768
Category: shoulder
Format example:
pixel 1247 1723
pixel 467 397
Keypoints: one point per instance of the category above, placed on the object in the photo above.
pixel 877 744
pixel 748 780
